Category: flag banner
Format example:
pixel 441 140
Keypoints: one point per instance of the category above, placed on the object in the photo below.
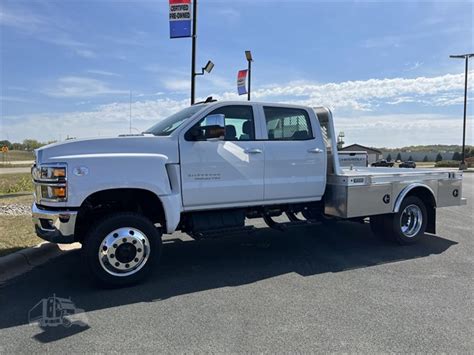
pixel 180 18
pixel 241 81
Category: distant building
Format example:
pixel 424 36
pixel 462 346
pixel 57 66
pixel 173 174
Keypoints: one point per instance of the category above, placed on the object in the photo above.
pixel 374 154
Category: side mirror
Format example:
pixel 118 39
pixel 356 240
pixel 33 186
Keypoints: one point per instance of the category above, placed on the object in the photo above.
pixel 213 127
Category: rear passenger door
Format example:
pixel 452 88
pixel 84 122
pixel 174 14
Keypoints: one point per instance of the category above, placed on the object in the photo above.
pixel 294 155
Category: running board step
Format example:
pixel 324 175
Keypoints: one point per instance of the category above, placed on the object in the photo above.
pixel 282 227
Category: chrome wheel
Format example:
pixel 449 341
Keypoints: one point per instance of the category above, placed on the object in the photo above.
pixel 124 251
pixel 411 221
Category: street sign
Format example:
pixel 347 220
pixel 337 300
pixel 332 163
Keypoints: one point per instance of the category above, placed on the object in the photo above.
pixel 180 18
pixel 4 149
pixel 241 81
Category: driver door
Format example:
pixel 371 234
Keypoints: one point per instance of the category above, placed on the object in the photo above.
pixel 223 173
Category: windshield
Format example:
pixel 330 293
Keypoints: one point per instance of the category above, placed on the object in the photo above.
pixel 168 125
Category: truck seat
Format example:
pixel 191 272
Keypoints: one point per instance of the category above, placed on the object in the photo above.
pixel 230 133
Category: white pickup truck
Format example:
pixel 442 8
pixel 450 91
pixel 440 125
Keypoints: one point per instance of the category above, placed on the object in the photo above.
pixel 206 170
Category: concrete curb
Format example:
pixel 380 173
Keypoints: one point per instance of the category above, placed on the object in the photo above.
pixel 24 260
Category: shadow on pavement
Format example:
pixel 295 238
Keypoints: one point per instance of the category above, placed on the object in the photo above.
pixel 193 266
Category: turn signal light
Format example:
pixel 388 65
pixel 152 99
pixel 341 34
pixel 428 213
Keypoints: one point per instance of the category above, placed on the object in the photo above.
pixel 59 192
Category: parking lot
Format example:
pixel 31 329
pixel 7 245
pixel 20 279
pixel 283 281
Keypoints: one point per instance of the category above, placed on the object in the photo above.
pixel 313 289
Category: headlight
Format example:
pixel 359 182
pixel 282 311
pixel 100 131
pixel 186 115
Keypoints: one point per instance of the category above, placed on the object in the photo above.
pixel 50 174
pixel 50 182
pixel 53 193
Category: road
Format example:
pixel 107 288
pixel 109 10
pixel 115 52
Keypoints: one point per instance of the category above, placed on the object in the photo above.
pixel 15 170
pixel 312 289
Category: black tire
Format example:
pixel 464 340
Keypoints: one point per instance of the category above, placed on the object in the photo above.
pixel 395 222
pixel 95 241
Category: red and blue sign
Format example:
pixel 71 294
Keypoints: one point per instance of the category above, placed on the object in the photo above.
pixel 241 82
pixel 180 18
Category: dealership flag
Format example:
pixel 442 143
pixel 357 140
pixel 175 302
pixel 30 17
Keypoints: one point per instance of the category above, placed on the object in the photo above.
pixel 180 18
pixel 241 79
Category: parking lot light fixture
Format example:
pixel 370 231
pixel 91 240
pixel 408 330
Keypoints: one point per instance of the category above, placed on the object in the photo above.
pixel 466 57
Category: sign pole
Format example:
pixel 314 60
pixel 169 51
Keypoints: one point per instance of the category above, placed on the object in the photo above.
pixel 250 79
pixel 464 120
pixel 193 53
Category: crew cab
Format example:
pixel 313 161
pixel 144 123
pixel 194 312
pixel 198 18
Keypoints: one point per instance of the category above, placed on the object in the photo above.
pixel 208 169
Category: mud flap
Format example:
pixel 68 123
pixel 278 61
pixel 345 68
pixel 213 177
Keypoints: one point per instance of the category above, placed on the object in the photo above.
pixel 431 226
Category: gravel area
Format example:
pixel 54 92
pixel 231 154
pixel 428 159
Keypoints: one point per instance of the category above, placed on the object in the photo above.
pixel 15 209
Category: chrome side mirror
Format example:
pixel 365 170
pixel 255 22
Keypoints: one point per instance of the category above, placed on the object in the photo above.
pixel 213 127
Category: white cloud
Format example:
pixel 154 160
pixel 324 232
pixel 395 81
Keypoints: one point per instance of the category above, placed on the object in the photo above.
pixel 101 72
pixel 110 119
pixel 85 53
pixel 396 130
pixel 360 109
pixel 79 87
pixel 24 21
pixel 176 84
pixel 364 95
pixel 49 29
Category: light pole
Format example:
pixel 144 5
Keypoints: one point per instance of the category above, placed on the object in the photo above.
pixel 209 64
pixel 466 57
pixel 248 55
pixel 193 53
pixel 207 68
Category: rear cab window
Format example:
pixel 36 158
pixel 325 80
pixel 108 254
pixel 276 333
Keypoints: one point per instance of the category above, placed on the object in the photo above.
pixel 285 123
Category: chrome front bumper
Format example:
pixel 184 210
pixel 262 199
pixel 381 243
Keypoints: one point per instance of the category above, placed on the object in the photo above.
pixel 54 226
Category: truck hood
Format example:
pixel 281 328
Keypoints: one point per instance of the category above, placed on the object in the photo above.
pixel 145 144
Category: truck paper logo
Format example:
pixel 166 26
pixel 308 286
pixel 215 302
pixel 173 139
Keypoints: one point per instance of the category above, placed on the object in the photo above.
pixel 55 311
pixel 199 176
pixel 180 18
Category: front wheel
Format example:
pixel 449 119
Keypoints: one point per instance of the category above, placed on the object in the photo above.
pixel 408 225
pixel 122 249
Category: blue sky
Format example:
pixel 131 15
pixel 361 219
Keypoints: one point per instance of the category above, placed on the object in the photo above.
pixel 383 67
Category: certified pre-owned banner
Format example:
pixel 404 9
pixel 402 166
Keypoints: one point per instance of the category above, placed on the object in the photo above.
pixel 180 18
pixel 241 78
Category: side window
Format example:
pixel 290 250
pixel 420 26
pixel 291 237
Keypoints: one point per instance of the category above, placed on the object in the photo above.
pixel 239 122
pixel 287 124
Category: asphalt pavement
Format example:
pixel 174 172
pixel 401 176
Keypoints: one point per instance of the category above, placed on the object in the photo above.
pixel 311 289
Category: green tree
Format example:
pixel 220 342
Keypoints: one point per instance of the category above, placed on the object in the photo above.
pixel 456 156
pixel 399 157
pixel 439 157
pixel 17 146
pixel 425 159
pixel 6 143
pixel 389 157
pixel 31 144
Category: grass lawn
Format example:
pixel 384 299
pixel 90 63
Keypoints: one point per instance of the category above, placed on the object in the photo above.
pixel 12 183
pixel 16 232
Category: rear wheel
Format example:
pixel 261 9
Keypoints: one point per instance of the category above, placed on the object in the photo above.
pixel 408 225
pixel 122 249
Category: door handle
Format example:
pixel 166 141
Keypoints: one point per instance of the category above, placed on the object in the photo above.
pixel 253 151
pixel 315 150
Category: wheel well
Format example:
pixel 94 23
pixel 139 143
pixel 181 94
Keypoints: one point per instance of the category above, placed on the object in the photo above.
pixel 424 194
pixel 428 199
pixel 105 202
